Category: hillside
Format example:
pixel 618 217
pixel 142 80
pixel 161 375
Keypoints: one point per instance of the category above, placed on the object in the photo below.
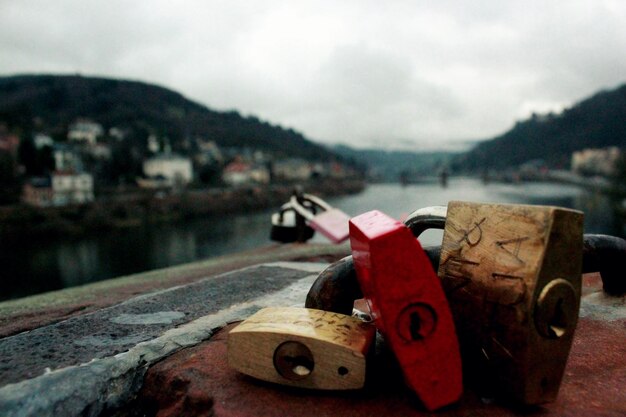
pixel 596 122
pixel 50 103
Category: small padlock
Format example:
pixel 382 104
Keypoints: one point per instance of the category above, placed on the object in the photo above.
pixel 408 306
pixel 302 347
pixel 331 222
pixel 512 274
pixel 287 228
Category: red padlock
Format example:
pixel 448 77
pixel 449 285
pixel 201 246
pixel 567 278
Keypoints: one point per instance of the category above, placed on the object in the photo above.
pixel 408 306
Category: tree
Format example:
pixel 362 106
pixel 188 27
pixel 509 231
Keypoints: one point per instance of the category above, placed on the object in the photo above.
pixel 35 161
pixel 619 179
pixel 27 156
pixel 9 183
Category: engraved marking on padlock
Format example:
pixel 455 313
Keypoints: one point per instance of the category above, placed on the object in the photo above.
pixel 501 287
pixel 416 322
pixel 293 360
pixel 512 247
pixel 556 307
pixel 473 234
pixel 456 270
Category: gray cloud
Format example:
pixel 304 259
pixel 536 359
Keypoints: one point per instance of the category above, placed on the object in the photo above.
pixel 410 74
pixel 374 98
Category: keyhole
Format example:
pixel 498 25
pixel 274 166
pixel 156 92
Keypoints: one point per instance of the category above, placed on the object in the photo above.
pixel 558 323
pixel 300 365
pixel 293 360
pixel 416 322
pixel 556 309
pixel 415 327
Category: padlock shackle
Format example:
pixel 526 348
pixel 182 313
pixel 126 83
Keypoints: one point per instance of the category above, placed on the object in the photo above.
pixel 601 253
pixel 297 206
pixel 317 201
pixel 420 220
pixel 297 232
pixel 606 254
pixel 337 286
pixel 285 207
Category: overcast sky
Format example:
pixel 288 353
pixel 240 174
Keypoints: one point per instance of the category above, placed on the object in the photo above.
pixel 418 75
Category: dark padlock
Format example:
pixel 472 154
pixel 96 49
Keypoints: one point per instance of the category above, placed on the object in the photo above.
pixel 288 226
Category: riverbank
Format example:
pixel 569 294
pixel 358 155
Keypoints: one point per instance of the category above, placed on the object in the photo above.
pixel 36 265
pixel 613 189
pixel 130 208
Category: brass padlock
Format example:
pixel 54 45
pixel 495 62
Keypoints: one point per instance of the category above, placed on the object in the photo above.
pixel 512 275
pixel 302 347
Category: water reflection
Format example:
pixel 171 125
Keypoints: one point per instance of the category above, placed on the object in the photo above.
pixel 33 267
pixel 74 262
pixel 398 201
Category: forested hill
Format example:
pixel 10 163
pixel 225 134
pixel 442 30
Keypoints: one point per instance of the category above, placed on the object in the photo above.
pixel 50 103
pixel 596 122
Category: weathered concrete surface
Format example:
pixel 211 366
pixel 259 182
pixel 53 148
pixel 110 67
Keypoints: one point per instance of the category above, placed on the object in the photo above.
pixel 198 382
pixel 113 330
pixel 42 309
pixel 95 362
pixel 96 371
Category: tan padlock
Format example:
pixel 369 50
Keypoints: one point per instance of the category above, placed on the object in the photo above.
pixel 302 347
pixel 512 274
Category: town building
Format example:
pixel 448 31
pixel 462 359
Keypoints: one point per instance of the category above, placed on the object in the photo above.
pixel 85 131
pixel 208 153
pixel 59 189
pixel 37 191
pixel 117 133
pixel 601 162
pixel 241 173
pixel 153 144
pixel 9 142
pixel 66 158
pixel 41 140
pixel 72 188
pixel 100 151
pixel 339 171
pixel 175 169
pixel 292 169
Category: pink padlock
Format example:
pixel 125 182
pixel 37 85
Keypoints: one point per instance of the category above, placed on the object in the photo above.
pixel 331 222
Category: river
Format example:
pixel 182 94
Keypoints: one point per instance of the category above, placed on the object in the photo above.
pixel 34 267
